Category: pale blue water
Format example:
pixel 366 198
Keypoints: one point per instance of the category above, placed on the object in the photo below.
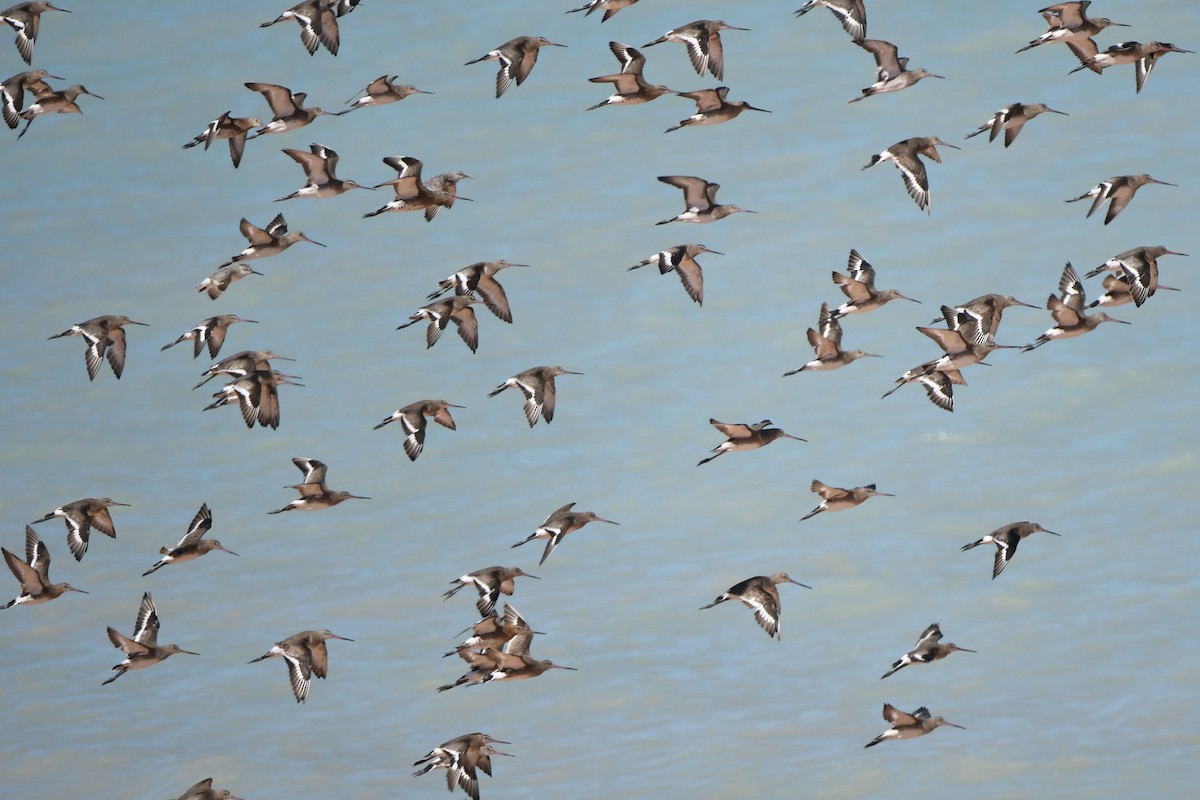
pixel 1083 685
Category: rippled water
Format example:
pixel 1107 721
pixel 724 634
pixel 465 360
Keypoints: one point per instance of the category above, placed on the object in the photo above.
pixel 1082 685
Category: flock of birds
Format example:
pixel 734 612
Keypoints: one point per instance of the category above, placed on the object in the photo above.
pixel 498 648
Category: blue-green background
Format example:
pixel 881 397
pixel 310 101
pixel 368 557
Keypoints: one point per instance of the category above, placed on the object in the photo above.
pixel 1084 684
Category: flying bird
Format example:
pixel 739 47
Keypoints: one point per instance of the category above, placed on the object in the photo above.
pixel 414 194
pixel 835 499
pixel 34 573
pixel 985 311
pixel 1068 311
pixel 908 726
pixel 699 200
pixel 241 364
pixel 964 342
pixel 609 7
pixel 13 89
pixel 859 288
pixel 314 494
pixel 1119 190
pixel 216 284
pixel 761 595
pixel 318 20
pixel 516 57
pixel 52 102
pixel 202 790
pixel 927 649
pixel 712 107
pixel 381 91
pixel 493 631
pixel 512 662
pixel 256 393
pixel 105 339
pixel 269 241
pixel 142 649
pixel 412 419
pixel 440 313
pixel 480 278
pixel 891 72
pixel 537 384
pixel 490 582
pixel 702 39
pixel 461 756
pixel 287 107
pixel 1011 119
pixel 305 654
pixel 561 522
pixel 1142 56
pixel 1136 273
pixel 231 129
pixel 209 332
pixel 629 87
pixel 318 165
pixel 681 259
pixel 1069 24
pixel 852 14
pixel 906 156
pixel 25 19
pixel 193 544
pixel 826 341
pixel 80 517
pixel 745 436
pixel 1006 538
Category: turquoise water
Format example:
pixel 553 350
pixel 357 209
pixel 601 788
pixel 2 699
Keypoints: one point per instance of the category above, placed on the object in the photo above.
pixel 1082 685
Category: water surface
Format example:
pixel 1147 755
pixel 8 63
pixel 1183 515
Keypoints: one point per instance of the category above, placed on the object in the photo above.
pixel 1080 688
